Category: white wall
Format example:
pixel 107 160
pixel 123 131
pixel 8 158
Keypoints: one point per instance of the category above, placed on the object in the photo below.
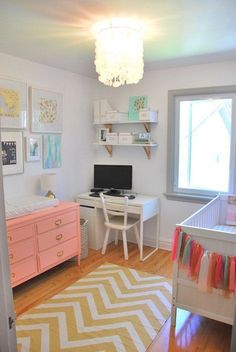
pixel 77 152
pixel 149 176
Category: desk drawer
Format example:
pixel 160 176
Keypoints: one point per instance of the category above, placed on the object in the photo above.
pixel 56 221
pixel 19 234
pixel 58 254
pixel 21 250
pixel 23 270
pixel 57 236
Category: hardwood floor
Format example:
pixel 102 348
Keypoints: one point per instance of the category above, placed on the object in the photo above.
pixel 192 332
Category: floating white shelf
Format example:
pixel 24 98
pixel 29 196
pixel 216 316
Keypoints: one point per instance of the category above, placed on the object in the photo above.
pixel 145 146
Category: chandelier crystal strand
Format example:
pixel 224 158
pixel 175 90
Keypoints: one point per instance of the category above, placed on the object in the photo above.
pixel 119 55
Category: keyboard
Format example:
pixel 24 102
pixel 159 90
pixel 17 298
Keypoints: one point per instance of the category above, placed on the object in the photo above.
pixel 130 196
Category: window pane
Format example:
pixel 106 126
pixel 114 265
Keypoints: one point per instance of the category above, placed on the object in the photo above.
pixel 204 144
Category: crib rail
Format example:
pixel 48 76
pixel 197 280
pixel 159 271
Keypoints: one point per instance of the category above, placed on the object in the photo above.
pixel 207 217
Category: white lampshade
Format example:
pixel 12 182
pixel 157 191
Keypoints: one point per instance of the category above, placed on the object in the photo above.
pixel 48 183
pixel 119 52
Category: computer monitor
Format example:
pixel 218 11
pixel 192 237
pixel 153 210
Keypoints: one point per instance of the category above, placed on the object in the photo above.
pixel 113 176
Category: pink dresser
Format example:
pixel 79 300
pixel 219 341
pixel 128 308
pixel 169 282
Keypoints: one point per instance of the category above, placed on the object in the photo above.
pixel 40 241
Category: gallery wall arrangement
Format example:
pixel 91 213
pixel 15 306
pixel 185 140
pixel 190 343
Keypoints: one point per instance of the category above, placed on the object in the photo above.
pixel 41 115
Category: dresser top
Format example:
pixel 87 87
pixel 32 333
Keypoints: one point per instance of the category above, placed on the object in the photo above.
pixel 37 215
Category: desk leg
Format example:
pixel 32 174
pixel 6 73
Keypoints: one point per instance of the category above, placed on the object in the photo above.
pixel 157 240
pixel 141 236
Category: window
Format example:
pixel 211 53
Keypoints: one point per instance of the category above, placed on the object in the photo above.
pixel 201 160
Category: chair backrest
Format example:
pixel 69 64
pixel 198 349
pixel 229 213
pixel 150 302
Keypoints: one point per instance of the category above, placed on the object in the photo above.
pixel 114 206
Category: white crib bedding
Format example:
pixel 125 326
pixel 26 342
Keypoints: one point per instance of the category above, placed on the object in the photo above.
pixel 16 207
pixel 225 228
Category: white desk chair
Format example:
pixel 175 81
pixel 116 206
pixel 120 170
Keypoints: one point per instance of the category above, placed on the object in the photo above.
pixel 115 211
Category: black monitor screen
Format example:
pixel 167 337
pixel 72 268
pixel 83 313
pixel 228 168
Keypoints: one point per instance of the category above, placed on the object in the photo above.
pixel 113 176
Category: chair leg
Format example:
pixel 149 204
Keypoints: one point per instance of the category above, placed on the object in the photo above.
pixel 137 236
pixel 104 247
pixel 116 237
pixel 125 244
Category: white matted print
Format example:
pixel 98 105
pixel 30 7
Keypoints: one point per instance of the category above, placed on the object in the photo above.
pixel 33 148
pixel 12 153
pixel 13 103
pixel 46 111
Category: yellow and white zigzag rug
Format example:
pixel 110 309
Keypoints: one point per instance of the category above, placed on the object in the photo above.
pixel 113 308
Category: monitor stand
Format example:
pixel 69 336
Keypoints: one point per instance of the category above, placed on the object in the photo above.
pixel 113 192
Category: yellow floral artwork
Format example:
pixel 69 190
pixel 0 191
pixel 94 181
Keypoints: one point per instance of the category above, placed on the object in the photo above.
pixel 48 110
pixel 9 103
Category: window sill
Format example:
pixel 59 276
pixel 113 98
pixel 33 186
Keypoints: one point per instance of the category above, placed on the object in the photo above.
pixel 188 198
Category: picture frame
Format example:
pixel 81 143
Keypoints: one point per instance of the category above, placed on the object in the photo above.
pixel 13 103
pixel 12 153
pixel 33 148
pixel 51 151
pixel 102 135
pixel 45 111
pixel 136 103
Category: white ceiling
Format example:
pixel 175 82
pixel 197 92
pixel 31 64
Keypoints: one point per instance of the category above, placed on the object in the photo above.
pixel 57 32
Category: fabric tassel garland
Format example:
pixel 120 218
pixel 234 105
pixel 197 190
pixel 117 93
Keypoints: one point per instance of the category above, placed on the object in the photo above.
pixel 175 243
pixel 203 273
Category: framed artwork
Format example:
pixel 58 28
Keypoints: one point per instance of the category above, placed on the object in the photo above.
pixel 51 151
pixel 33 148
pixel 12 153
pixel 135 104
pixel 13 103
pixel 45 111
pixel 102 135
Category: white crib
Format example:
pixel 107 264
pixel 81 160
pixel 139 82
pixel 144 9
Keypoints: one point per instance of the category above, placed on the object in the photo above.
pixel 207 227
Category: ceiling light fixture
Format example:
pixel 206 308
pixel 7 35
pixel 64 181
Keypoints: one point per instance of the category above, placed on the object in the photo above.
pixel 119 52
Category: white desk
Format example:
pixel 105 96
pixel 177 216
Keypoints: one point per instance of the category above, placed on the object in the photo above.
pixel 145 207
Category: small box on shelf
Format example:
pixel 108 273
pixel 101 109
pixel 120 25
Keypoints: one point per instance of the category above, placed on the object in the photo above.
pixel 112 138
pixel 126 138
pixel 148 115
pixel 142 137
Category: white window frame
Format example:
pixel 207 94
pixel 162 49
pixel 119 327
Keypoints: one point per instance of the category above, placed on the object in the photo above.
pixel 174 98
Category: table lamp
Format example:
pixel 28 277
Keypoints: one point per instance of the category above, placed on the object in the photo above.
pixel 48 184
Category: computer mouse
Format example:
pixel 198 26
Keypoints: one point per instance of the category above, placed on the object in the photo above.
pixel 131 196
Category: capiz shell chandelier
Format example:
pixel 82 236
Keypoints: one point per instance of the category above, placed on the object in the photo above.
pixel 119 52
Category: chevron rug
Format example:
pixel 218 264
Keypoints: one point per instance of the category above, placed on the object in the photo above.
pixel 113 308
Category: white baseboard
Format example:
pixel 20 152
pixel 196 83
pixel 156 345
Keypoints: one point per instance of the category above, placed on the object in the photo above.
pixel 163 243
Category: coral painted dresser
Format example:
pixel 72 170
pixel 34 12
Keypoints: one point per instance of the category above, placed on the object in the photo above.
pixel 43 239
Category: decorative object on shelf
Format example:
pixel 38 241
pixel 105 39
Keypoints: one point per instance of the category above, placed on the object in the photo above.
pixel 46 111
pixel 48 185
pixel 147 115
pixel 142 137
pixel 13 103
pixel 12 153
pixel 102 136
pixel 136 103
pixel 51 151
pixel 119 51
pixel 33 148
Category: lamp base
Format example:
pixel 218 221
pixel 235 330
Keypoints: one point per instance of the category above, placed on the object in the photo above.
pixel 50 194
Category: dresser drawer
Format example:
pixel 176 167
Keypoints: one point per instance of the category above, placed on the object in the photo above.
pixel 58 254
pixel 57 236
pixel 19 234
pixel 23 270
pixel 21 250
pixel 56 221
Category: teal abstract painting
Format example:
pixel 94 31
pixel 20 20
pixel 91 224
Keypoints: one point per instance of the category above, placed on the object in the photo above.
pixel 135 104
pixel 51 151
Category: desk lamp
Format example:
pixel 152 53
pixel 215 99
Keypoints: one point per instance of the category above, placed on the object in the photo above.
pixel 48 184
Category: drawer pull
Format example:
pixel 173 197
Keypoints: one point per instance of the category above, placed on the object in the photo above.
pixel 58 222
pixel 9 238
pixel 59 254
pixel 59 237
pixel 11 256
pixel 13 275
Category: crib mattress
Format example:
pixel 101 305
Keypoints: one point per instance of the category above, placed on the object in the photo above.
pixel 225 228
pixel 20 206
